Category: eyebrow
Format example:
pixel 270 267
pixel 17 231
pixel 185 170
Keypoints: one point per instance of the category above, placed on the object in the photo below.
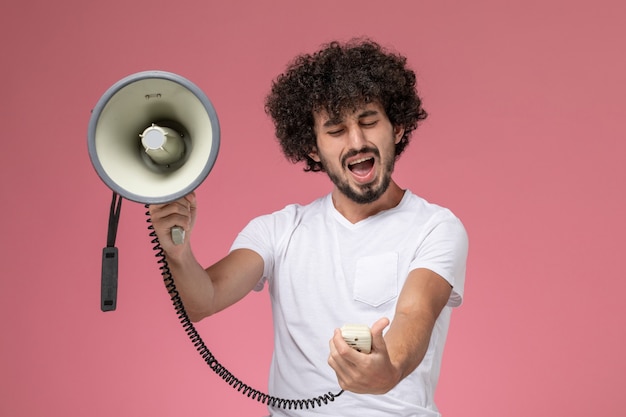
pixel 336 120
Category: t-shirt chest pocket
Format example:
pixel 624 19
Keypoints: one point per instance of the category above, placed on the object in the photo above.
pixel 376 279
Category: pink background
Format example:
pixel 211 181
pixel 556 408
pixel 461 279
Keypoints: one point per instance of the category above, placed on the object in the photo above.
pixel 525 142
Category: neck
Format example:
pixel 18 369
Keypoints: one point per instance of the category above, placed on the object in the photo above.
pixel 355 212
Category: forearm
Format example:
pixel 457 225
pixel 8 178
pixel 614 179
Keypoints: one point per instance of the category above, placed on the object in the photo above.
pixel 407 342
pixel 193 285
pixel 424 296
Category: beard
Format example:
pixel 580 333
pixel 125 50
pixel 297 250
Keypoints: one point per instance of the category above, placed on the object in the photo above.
pixel 361 193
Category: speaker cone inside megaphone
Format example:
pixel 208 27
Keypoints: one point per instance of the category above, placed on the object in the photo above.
pixel 153 137
pixel 164 146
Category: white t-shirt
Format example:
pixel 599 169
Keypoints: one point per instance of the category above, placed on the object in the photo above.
pixel 324 272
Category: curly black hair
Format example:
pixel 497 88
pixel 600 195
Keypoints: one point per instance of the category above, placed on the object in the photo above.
pixel 336 79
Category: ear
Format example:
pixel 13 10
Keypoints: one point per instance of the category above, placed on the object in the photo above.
pixel 398 132
pixel 314 155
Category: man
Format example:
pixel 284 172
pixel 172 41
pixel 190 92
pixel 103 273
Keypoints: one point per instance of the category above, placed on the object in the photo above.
pixel 369 252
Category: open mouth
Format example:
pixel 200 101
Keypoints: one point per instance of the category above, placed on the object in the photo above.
pixel 361 167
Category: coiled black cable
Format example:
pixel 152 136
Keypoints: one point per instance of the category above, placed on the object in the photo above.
pixel 206 354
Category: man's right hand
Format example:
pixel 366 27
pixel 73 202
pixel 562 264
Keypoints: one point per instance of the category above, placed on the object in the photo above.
pixel 181 213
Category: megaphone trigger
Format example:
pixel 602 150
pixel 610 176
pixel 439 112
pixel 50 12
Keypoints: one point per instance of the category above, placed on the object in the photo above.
pixel 178 235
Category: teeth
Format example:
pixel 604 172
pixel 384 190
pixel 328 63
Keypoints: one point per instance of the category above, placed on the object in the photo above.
pixel 359 161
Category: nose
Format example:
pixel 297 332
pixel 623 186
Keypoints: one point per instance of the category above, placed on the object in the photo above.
pixel 356 137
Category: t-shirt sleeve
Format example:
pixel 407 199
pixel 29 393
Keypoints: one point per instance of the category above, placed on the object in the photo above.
pixel 444 251
pixel 264 235
pixel 257 237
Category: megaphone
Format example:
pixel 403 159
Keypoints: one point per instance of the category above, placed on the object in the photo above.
pixel 153 137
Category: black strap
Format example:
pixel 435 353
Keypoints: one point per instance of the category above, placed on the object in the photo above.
pixel 114 218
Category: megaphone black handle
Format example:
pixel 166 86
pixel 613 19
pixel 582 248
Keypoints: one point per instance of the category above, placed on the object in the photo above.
pixel 206 354
pixel 108 279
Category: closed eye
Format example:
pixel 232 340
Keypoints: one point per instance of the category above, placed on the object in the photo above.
pixel 369 124
pixel 336 132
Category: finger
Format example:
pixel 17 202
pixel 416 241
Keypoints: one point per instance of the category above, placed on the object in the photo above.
pixel 337 358
pixel 191 198
pixel 331 344
pixel 378 341
pixel 181 206
pixel 341 351
pixel 178 214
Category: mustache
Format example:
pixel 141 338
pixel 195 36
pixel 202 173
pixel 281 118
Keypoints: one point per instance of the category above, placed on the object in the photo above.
pixel 355 152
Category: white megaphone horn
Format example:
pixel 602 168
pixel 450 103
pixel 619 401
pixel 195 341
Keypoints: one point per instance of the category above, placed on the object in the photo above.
pixel 153 137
